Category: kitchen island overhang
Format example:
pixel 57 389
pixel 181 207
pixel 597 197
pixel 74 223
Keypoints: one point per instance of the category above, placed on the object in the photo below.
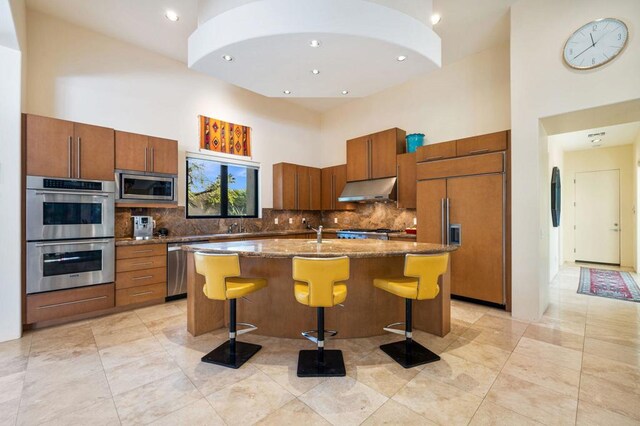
pixel 277 314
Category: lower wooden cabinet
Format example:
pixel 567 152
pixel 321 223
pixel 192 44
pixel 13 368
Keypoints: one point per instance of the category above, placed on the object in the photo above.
pixel 141 273
pixel 66 303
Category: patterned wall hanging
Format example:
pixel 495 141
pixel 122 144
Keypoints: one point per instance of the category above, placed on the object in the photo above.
pixel 220 136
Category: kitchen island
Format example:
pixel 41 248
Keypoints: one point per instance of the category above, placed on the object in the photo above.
pixel 274 309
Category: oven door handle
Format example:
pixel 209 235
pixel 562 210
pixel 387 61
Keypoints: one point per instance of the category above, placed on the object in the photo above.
pixel 90 194
pixel 73 243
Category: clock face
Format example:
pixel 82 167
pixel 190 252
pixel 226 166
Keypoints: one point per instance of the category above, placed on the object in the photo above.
pixel 595 43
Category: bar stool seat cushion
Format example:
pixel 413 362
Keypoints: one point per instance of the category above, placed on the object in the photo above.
pixel 239 287
pixel 400 286
pixel 301 292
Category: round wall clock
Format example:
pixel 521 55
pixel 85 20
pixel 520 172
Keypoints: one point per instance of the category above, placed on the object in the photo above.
pixel 596 43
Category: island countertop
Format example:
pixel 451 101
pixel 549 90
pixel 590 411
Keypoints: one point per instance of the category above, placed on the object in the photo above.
pixel 288 248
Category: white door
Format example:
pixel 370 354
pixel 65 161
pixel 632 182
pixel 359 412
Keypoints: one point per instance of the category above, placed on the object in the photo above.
pixel 597 209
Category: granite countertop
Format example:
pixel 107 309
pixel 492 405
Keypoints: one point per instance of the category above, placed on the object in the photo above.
pixel 127 241
pixel 287 248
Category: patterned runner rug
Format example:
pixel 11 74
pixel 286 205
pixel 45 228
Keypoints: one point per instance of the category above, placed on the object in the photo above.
pixel 611 284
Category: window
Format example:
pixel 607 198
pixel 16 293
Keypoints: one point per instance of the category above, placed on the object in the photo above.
pixel 217 190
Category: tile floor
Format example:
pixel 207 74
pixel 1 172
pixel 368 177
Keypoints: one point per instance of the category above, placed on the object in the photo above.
pixel 579 364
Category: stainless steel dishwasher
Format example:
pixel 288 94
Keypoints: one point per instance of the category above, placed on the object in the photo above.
pixel 177 269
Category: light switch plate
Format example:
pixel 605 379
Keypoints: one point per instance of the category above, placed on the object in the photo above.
pixel 415 221
pixel 335 220
pixel 290 221
pixel 275 220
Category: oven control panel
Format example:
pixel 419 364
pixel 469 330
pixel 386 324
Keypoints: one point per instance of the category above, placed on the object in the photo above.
pixel 72 184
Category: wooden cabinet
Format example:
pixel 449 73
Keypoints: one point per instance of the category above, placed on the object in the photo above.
pixel 406 171
pixel 145 153
pixel 296 187
pixel 436 151
pixel 334 180
pixel 67 303
pixel 464 201
pixel 141 273
pixel 59 148
pixel 482 144
pixel 374 156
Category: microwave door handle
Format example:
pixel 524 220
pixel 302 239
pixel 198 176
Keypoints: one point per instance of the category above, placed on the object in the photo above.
pixel 71 193
pixel 73 243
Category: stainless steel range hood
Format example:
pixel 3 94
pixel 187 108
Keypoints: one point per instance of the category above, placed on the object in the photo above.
pixel 369 191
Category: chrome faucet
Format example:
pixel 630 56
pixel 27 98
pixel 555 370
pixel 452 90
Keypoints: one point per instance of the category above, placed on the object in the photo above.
pixel 319 234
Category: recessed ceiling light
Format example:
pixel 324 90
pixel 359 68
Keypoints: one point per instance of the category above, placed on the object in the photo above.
pixel 314 43
pixel 435 18
pixel 345 92
pixel 286 92
pixel 171 15
pixel 402 58
pixel 316 72
pixel 227 58
pixel 596 141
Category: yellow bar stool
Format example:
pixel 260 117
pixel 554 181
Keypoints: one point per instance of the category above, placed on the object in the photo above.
pixel 223 282
pixel 319 284
pixel 420 282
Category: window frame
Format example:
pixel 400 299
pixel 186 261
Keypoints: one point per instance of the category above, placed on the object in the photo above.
pixel 224 190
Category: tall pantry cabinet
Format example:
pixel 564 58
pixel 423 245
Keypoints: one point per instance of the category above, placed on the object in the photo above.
pixel 464 200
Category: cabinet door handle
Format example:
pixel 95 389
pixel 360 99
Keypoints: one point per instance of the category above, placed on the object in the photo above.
pixel 479 151
pixel 370 159
pixel 78 155
pixel 146 277
pixel 145 158
pixel 142 293
pixel 142 251
pixel 437 157
pixel 142 263
pixel 334 196
pixel 152 159
pixel 69 142
pixel 75 302
pixel 295 191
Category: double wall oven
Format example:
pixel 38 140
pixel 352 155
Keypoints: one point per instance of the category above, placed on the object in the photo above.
pixel 70 233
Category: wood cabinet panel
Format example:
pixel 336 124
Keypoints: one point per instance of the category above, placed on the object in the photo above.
pixel 163 155
pixel 430 211
pixel 140 277
pixel 136 264
pixel 476 202
pixel 465 166
pixel 303 188
pixel 48 146
pixel 436 151
pixel 315 188
pixel 406 181
pixel 141 294
pixel 383 152
pixel 94 152
pixel 145 250
pixel 326 198
pixel 132 151
pixel 66 303
pixel 358 159
pixel 482 144
pixel 284 186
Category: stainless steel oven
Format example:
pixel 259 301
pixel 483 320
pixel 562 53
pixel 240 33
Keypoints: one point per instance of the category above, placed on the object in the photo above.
pixel 65 208
pixel 140 186
pixel 56 265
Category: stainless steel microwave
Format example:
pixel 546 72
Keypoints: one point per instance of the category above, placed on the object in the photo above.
pixel 145 187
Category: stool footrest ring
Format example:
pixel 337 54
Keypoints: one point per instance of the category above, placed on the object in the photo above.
pixel 249 328
pixel 402 332
pixel 314 339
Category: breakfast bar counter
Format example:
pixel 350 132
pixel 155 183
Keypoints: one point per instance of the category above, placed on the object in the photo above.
pixel 274 309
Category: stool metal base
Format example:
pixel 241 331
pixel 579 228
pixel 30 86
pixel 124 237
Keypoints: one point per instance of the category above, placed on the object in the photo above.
pixel 409 353
pixel 310 365
pixel 222 355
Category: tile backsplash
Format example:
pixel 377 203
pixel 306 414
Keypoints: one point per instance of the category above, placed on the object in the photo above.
pixel 376 215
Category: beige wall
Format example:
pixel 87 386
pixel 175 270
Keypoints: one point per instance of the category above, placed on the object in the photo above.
pixel 636 190
pixel 466 98
pixel 80 75
pixel 542 86
pixel 618 157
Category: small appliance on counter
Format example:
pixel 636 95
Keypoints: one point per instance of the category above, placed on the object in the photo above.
pixel 163 232
pixel 143 227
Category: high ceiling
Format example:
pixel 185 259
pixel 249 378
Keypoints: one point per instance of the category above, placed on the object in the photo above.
pixel 620 134
pixel 467 26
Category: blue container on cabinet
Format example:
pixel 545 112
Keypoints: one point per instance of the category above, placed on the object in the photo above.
pixel 414 140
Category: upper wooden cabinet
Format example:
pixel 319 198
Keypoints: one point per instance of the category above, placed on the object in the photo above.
pixel 296 187
pixel 59 148
pixel 146 153
pixel 374 156
pixel 492 142
pixel 407 181
pixel 333 181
